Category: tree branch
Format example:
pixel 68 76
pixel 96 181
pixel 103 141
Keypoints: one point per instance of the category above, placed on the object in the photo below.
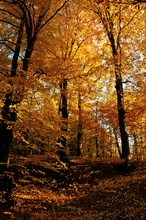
pixel 10 49
pixel 4 10
pixel 53 14
pixel 8 22
pixel 130 20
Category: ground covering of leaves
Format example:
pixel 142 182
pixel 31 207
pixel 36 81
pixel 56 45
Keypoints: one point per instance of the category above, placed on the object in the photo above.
pixel 90 189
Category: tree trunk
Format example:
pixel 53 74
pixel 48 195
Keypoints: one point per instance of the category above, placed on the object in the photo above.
pixel 6 137
pixel 79 136
pixel 17 49
pixel 114 38
pixel 116 52
pixel 97 147
pixel 79 144
pixel 135 150
pixel 64 114
pixel 96 132
pixel 9 114
pixel 121 113
pixel 63 111
pixel 117 143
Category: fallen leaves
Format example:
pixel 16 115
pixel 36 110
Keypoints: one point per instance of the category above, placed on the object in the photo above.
pixel 75 194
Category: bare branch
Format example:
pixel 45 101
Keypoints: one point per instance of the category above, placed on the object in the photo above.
pixel 50 51
pixel 5 40
pixel 4 10
pixel 8 22
pixel 53 14
pixel 10 49
pixel 131 19
pixel 128 3
pixel 27 17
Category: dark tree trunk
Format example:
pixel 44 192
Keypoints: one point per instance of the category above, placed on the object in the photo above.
pixel 79 136
pixel 135 150
pixel 114 39
pixel 17 49
pixel 117 143
pixel 64 114
pixel 116 51
pixel 96 132
pixel 121 113
pixel 6 137
pixel 63 111
pixel 97 147
pixel 79 144
pixel 9 114
pixel 28 54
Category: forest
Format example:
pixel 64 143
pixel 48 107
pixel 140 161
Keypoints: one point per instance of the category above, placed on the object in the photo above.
pixel 72 104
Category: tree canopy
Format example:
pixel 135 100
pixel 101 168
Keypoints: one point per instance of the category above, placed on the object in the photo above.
pixel 67 69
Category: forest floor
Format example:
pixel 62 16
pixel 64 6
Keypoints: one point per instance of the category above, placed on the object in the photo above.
pixel 91 189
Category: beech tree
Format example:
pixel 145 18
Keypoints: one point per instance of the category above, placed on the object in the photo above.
pixel 65 55
pixel 25 19
pixel 111 16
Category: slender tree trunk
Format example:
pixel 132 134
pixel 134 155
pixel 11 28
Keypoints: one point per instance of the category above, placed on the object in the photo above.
pixel 97 147
pixel 79 135
pixel 96 133
pixel 114 39
pixel 135 150
pixel 63 111
pixel 117 143
pixel 17 49
pixel 121 112
pixel 79 141
pixel 116 52
pixel 64 114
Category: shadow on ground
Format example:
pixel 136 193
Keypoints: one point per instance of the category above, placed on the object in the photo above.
pixel 90 189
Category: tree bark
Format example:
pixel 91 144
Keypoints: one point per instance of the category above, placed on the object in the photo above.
pixel 6 137
pixel 121 110
pixel 135 150
pixel 96 133
pixel 79 135
pixel 64 114
pixel 63 111
pixel 79 144
pixel 117 143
